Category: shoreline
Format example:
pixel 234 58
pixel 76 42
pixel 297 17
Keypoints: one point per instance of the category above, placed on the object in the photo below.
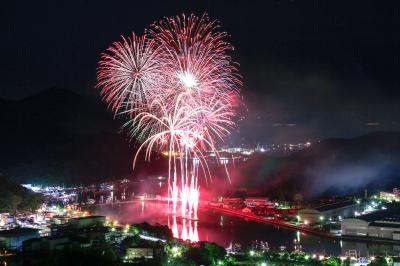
pixel 256 218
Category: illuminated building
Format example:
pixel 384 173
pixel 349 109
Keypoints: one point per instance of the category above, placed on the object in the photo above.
pixel 395 196
pixel 256 201
pixel 354 227
pixel 382 224
pixel 136 253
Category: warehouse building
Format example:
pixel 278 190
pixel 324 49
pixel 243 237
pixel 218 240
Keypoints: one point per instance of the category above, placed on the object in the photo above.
pixel 354 227
pixel 337 210
pixel 383 224
pixel 384 229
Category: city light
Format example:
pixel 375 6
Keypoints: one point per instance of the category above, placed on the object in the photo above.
pixel 277 175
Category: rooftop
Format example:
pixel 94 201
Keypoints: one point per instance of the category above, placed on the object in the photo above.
pixel 391 214
pixel 89 217
pixel 385 224
pixel 336 205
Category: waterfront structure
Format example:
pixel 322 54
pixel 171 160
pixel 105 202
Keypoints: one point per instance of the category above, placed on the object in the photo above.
pixel 331 211
pixel 232 202
pixel 384 229
pixel 309 216
pixel 375 229
pixel 354 227
pixel 384 224
pixel 256 201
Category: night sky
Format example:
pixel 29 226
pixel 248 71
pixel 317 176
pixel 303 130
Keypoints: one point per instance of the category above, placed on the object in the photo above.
pixel 311 69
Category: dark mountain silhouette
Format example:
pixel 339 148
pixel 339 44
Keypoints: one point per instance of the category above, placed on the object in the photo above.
pixel 58 136
pixel 330 167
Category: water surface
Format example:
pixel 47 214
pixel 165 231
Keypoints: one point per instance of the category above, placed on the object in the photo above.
pixel 224 229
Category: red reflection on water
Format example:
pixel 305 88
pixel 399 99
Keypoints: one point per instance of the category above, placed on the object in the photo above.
pixel 153 213
pixel 188 230
pixel 196 234
pixel 174 228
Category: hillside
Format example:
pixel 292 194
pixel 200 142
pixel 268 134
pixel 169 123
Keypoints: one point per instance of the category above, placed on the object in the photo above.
pixel 14 197
pixel 58 136
pixel 331 167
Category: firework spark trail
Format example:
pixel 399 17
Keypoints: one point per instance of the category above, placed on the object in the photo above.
pixel 179 88
pixel 182 131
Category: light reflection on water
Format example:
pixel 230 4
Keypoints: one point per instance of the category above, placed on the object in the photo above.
pixel 224 230
pixel 15 241
pixel 188 229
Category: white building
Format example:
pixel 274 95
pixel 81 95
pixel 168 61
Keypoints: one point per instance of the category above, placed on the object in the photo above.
pixel 309 216
pixel 376 229
pixel 389 196
pixel 384 229
pixel 354 227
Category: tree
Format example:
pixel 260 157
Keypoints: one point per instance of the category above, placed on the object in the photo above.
pixel 214 252
pixel 198 255
pixel 130 241
pixel 333 261
pixel 379 261
pixel 14 201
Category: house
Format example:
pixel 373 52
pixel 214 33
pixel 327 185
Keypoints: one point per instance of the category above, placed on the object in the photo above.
pixel 136 253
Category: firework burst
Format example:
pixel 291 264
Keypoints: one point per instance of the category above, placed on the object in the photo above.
pixel 196 56
pixel 180 89
pixel 130 74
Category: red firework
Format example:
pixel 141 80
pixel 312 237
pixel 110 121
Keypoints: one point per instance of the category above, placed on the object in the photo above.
pixel 180 88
